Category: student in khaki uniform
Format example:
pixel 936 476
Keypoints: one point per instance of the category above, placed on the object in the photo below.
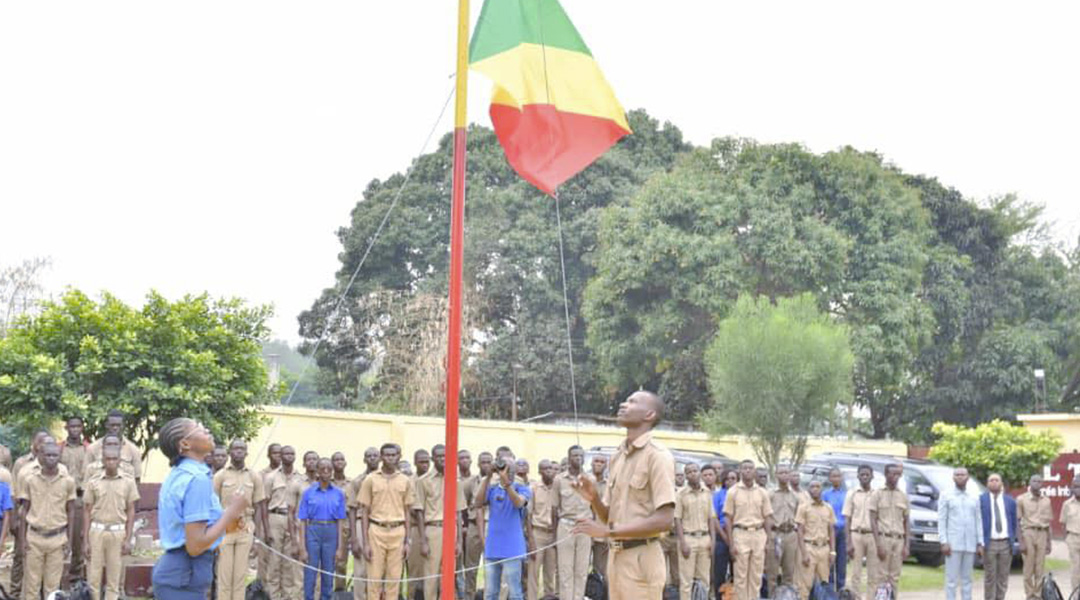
pixel 542 533
pixel 414 563
pixel 5 457
pixel 748 514
pixel 273 455
pixel 74 456
pixel 640 503
pixel 109 505
pixel 860 536
pixel 16 527
pixel 1070 522
pixel 48 504
pixel 235 549
pixel 129 452
pixel 785 503
pixel 341 482
pixel 281 574
pixel 385 500
pixel 669 543
pixel 1034 513
pixel 371 464
pixel 570 507
pixel 816 529
pixel 428 512
pixel 474 520
pixel 889 510
pixel 695 530
pixel 599 547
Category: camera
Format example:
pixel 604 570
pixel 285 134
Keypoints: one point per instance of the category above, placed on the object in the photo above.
pixel 501 464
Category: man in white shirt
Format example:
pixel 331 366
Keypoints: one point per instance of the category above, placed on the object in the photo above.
pixel 998 512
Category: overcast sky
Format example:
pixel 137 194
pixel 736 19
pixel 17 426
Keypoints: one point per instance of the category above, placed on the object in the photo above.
pixel 217 146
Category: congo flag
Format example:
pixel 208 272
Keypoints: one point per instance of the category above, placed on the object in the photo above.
pixel 553 111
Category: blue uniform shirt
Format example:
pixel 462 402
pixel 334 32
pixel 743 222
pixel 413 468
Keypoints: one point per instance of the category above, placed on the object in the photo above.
pixel 5 498
pixel 718 499
pixel 505 537
pixel 187 496
pixel 835 497
pixel 318 504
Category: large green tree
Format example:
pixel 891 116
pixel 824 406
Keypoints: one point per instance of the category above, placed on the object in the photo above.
pixel 194 357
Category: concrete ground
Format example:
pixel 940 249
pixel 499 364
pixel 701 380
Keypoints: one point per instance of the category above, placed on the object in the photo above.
pixel 1016 582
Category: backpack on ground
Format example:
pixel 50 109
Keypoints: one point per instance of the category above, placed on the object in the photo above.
pixel 595 587
pixel 823 591
pixel 885 591
pixel 698 591
pixel 671 592
pixel 256 591
pixel 785 592
pixel 846 594
pixel 1050 589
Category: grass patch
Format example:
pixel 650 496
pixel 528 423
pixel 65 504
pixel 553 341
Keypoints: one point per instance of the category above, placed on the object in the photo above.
pixel 919 578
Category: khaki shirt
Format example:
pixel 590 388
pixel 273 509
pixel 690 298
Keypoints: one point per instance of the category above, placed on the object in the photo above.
pixel 815 520
pixel 109 498
pixel 601 488
pixel 129 453
pixel 470 485
pixel 298 483
pixel 32 466
pixel 543 499
pixel 5 457
pixel 97 469
pixel 48 498
pixel 5 476
pixel 386 497
pixel 785 503
pixel 570 504
pixel 75 458
pixel 20 462
pixel 429 496
pixel 856 510
pixel 694 508
pixel 892 510
pixel 1032 512
pixel 230 479
pixel 1070 516
pixel 280 486
pixel 352 491
pixel 642 480
pixel 747 506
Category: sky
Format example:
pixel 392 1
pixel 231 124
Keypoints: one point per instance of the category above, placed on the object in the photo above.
pixel 218 146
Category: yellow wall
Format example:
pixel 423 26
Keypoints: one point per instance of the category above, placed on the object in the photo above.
pixel 327 431
pixel 1067 425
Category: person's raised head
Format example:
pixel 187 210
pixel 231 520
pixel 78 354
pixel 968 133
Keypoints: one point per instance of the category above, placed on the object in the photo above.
pixel 185 438
pixel 642 408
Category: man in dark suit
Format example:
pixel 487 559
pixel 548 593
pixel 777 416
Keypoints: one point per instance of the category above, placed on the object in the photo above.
pixel 999 534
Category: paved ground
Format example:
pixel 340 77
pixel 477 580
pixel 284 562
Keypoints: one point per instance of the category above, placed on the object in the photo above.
pixel 1016 582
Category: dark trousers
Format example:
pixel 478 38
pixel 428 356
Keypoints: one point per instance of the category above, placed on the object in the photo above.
pixel 180 576
pixel 320 540
pixel 838 576
pixel 721 563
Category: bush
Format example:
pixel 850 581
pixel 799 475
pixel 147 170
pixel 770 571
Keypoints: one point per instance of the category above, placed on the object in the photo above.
pixel 996 447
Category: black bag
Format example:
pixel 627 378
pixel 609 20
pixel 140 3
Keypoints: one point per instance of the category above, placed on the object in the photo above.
pixel 595 587
pixel 4 595
pixel 698 591
pixel 1050 590
pixel 671 592
pixel 342 595
pixel 822 591
pixel 256 591
pixel 80 590
pixel 785 592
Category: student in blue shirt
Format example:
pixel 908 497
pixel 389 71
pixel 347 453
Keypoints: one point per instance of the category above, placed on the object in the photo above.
pixel 190 518
pixel 506 501
pixel 322 508
pixel 6 505
pixel 835 496
pixel 721 549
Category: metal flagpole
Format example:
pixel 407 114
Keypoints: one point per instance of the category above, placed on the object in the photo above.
pixel 453 351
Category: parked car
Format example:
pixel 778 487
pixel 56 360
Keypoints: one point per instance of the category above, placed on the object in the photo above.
pixel 682 457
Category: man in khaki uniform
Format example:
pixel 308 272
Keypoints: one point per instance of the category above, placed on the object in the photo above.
pixel 570 507
pixel 341 481
pixel 235 549
pixel 273 455
pixel 352 491
pixel 16 527
pixel 889 510
pixel 748 514
pixel 1070 522
pixel 542 533
pixel 1033 513
pixel 785 503
pixel 281 574
pixel 429 513
pixel 109 503
pixel 48 504
pixel 74 456
pixel 474 517
pixel 599 547
pixel 695 529
pixel 816 531
pixel 640 503
pixel 414 565
pixel 129 452
pixel 860 536
pixel 386 498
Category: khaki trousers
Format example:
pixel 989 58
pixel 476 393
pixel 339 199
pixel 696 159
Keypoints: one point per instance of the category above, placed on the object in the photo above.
pixel 749 562
pixel 817 571
pixel 670 549
pixel 44 565
pixel 864 549
pixel 889 569
pixel 281 577
pixel 573 558
pixel 1072 540
pixel 359 572
pixel 232 562
pixel 473 551
pixel 698 566
pixel 544 560
pixel 78 564
pixel 414 566
pixel 385 560
pixel 599 557
pixel 1034 561
pixel 344 541
pixel 997 561
pixel 17 560
pixel 433 561
pixel 636 574
pixel 786 566
pixel 105 550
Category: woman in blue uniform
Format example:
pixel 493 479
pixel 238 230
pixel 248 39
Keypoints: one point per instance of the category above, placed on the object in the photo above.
pixel 190 518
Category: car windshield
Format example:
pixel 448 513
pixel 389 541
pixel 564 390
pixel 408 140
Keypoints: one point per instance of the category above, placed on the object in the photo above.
pixel 939 476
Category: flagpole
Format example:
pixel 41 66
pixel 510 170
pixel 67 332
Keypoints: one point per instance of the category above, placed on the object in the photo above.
pixel 453 350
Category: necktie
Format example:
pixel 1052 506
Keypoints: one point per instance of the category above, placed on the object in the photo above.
pixel 997 516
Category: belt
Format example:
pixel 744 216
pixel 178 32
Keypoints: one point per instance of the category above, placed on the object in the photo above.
pixel 862 531
pixel 695 533
pixel 470 522
pixel 817 543
pixel 787 528
pixel 48 532
pixel 279 511
pixel 542 528
pixel 628 544
pixel 749 527
pixel 898 536
pixel 103 527
pixel 432 523
pixel 315 522
pixel 1036 527
pixel 388 524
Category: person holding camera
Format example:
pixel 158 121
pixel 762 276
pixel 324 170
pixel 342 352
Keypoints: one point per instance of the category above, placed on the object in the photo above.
pixel 504 548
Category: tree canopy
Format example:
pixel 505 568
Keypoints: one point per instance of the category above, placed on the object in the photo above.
pixel 1013 451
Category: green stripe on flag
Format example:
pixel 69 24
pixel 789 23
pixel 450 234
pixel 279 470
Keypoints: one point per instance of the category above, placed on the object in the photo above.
pixel 505 24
